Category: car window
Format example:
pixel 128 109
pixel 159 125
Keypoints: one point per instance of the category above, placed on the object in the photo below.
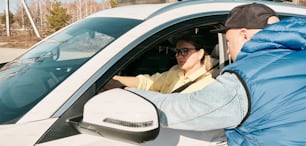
pixel 156 55
pixel 29 78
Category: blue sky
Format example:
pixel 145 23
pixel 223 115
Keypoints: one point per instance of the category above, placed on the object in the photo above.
pixel 13 5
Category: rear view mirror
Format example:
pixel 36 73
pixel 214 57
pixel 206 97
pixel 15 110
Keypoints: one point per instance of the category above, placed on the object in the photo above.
pixel 119 114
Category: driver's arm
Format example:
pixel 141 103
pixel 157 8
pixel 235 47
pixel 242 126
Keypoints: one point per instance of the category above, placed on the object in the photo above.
pixel 128 81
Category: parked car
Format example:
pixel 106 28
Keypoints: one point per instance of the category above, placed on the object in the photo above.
pixel 53 94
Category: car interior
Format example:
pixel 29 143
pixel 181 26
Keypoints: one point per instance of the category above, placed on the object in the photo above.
pixel 157 55
pixel 160 57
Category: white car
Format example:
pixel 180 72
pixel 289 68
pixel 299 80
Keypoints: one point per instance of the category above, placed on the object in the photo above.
pixel 52 95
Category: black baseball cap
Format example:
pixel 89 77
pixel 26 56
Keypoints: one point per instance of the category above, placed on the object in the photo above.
pixel 250 16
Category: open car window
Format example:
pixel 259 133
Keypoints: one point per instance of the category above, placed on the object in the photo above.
pixel 155 55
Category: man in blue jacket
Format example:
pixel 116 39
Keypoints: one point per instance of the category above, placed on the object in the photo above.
pixel 260 99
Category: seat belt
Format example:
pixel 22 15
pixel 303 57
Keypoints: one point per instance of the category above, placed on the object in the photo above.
pixel 179 89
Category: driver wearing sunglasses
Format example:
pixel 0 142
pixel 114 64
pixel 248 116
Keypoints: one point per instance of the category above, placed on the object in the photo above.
pixel 182 51
pixel 192 67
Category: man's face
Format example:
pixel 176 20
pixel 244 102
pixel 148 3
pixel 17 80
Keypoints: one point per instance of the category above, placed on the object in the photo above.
pixel 236 38
pixel 235 42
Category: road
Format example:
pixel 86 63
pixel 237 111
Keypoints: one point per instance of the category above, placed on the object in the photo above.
pixel 7 54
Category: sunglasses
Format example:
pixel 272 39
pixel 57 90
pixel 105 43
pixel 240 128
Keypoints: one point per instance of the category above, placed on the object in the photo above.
pixel 182 51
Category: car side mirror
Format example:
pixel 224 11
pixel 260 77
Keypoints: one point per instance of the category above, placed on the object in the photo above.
pixel 119 114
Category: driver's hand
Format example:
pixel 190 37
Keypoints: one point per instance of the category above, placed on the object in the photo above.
pixel 113 84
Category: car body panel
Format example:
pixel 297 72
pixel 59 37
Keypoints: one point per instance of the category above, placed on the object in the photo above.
pixel 131 12
pixel 28 133
pixel 168 137
pixel 85 140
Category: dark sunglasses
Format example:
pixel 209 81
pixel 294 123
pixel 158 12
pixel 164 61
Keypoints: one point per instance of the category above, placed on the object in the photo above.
pixel 182 51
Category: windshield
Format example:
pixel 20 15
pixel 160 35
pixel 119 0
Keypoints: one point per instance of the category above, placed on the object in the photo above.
pixel 29 78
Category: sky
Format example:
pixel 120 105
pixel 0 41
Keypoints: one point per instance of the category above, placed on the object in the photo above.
pixel 13 5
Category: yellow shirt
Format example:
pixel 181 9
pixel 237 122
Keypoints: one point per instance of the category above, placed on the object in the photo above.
pixel 169 81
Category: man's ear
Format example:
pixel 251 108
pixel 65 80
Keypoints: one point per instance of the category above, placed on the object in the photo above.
pixel 244 33
pixel 272 19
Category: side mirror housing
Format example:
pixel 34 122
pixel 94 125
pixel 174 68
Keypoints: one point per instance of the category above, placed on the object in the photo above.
pixel 119 114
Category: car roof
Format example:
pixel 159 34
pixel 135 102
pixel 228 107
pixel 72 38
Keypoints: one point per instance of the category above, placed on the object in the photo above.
pixel 131 11
pixel 151 10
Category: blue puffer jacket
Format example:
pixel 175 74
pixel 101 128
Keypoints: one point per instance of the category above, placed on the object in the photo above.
pixel 272 67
